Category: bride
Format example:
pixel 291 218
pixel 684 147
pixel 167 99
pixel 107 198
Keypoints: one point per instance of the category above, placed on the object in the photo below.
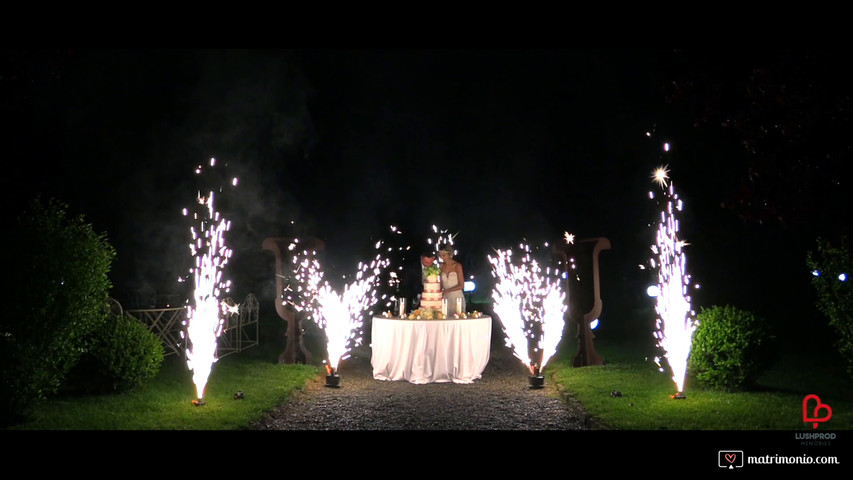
pixel 452 280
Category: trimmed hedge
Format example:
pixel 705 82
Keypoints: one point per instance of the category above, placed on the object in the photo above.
pixel 731 348
pixel 124 354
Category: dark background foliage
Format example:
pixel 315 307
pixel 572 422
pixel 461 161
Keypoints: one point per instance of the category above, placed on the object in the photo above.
pixel 498 145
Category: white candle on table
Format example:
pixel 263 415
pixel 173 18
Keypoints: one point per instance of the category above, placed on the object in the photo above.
pixel 402 307
pixel 458 306
pixel 444 306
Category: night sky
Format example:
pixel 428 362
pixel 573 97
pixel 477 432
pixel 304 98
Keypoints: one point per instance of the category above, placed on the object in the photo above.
pixel 496 146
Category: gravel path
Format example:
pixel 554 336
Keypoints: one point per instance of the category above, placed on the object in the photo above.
pixel 501 400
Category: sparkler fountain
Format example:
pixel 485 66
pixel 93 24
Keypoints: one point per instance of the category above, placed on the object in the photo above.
pixel 205 318
pixel 531 306
pixel 676 321
pixel 341 315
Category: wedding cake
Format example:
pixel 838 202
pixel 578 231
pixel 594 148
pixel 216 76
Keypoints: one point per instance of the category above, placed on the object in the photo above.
pixel 431 297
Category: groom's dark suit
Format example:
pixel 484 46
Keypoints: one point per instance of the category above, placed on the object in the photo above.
pixel 412 283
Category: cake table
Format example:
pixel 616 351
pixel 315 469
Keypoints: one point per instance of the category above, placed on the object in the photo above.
pixel 427 351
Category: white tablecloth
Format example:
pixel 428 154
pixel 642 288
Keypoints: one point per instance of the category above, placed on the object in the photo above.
pixel 425 351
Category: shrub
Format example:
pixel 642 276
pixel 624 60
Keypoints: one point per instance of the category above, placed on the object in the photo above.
pixel 730 349
pixel 123 355
pixel 59 270
pixel 831 265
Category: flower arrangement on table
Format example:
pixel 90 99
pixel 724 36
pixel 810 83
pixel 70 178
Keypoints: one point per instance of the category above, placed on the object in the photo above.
pixel 433 314
pixel 424 313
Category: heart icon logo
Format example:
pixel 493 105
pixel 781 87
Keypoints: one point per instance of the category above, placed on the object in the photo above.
pixel 815 418
pixel 731 457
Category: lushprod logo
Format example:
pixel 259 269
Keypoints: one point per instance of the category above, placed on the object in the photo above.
pixel 815 438
pixel 821 412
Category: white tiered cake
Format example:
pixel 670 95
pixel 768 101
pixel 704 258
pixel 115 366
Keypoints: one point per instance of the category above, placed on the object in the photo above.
pixel 431 297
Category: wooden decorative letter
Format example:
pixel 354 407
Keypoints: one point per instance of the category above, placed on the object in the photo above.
pixel 294 350
pixel 586 354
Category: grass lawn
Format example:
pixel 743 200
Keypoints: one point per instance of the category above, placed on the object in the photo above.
pixel 644 402
pixel 166 402
pixel 644 399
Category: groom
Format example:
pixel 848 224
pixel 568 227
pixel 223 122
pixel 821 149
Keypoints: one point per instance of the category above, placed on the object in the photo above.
pixel 412 284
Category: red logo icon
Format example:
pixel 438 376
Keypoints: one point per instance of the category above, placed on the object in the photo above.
pixel 816 412
pixel 730 459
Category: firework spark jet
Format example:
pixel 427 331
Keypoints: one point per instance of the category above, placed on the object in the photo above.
pixel 530 305
pixel 340 315
pixel 206 314
pixel 676 321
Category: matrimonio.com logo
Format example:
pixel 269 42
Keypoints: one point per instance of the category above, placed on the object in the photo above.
pixel 813 415
pixel 730 459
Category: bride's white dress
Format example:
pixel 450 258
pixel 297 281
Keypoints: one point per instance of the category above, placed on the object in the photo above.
pixel 449 280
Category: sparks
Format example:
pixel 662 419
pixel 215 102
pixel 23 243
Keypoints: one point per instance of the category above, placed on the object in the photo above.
pixel 676 321
pixel 341 315
pixel 206 316
pixel 397 251
pixel 230 309
pixel 530 305
pixel 570 238
pixel 442 237
pixel 661 176
pixel 302 284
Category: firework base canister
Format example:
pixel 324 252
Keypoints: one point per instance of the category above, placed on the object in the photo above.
pixel 333 380
pixel 536 381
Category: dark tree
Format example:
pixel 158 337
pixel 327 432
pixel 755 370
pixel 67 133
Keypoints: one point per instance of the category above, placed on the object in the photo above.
pixel 60 267
pixel 789 114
